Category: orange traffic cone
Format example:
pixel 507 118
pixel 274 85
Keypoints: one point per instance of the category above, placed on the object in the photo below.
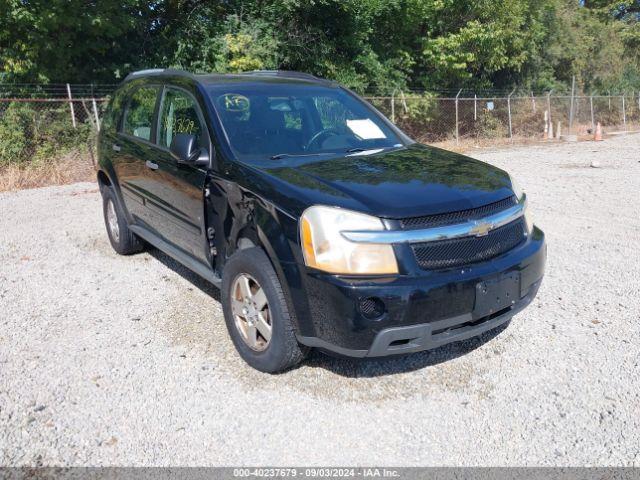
pixel 598 135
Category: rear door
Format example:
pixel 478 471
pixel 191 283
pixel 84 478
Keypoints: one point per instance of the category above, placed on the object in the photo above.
pixel 176 190
pixel 132 146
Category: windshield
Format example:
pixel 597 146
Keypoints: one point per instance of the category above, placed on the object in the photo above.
pixel 275 121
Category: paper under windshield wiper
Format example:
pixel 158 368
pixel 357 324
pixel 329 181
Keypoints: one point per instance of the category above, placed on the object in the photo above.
pixel 372 149
pixel 284 155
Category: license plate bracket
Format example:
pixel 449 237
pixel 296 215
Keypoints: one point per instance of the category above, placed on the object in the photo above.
pixel 496 294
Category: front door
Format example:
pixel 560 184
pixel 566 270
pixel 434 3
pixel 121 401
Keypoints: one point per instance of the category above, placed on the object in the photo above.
pixel 176 190
pixel 132 146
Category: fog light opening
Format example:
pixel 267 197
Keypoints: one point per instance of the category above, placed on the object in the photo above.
pixel 371 308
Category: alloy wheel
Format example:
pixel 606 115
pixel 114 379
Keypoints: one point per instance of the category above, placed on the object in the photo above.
pixel 251 313
pixel 112 221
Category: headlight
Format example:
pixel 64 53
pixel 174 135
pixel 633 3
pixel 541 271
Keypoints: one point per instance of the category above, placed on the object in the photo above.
pixel 519 193
pixel 517 189
pixel 528 221
pixel 326 249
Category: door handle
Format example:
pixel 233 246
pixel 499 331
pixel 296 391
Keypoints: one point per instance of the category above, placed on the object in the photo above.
pixel 151 165
pixel 116 147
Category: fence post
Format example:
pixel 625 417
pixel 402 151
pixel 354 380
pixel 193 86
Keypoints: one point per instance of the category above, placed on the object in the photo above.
pixel 533 102
pixel 571 111
pixel 393 106
pixel 457 119
pixel 73 113
pixel 509 111
pixel 550 136
pixel 475 106
pixel 393 103
pixel 95 113
pixel 593 123
pixel 624 114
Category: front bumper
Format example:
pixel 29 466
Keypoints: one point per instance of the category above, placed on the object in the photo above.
pixel 423 310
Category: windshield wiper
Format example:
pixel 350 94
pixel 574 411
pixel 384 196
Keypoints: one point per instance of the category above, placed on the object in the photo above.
pixel 285 155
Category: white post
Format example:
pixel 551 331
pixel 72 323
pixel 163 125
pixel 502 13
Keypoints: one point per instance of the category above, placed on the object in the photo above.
pixel 475 107
pixel 509 111
pixel 457 118
pixel 593 123
pixel 624 114
pixel 404 102
pixel 95 113
pixel 533 102
pixel 573 93
pixel 73 113
pixel 393 107
pixel 549 108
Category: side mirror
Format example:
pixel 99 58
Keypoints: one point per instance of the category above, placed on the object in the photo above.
pixel 185 150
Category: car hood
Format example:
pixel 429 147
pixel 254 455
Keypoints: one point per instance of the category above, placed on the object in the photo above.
pixel 411 181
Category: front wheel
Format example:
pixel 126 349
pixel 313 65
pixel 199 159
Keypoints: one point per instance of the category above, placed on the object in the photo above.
pixel 256 313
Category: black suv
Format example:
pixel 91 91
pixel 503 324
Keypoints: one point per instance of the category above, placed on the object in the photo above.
pixel 322 223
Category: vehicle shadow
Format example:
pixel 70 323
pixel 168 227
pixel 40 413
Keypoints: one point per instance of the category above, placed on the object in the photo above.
pixel 368 368
pixel 193 278
pixel 347 367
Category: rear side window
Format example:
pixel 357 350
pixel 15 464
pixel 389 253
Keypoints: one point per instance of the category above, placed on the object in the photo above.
pixel 138 120
pixel 179 114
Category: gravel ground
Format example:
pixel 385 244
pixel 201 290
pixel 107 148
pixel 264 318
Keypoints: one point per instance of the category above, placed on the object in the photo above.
pixel 108 360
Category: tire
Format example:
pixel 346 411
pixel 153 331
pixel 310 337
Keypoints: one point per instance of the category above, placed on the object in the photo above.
pixel 122 239
pixel 282 350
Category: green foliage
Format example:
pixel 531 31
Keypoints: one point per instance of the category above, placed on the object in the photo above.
pixel 490 126
pixel 413 113
pixel 32 136
pixel 366 44
pixel 380 46
pixel 238 44
pixel 419 109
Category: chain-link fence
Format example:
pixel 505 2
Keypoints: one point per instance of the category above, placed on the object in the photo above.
pixel 33 130
pixel 433 119
pixel 36 120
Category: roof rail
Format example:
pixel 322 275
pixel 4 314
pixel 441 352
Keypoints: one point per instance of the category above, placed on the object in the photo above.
pixel 151 71
pixel 285 73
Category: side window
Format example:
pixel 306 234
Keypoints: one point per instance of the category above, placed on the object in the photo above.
pixel 179 115
pixel 138 120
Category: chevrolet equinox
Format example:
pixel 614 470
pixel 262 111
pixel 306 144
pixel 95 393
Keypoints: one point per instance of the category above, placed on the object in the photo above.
pixel 322 223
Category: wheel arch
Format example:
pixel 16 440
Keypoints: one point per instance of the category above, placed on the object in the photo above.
pixel 243 219
pixel 103 180
pixel 275 233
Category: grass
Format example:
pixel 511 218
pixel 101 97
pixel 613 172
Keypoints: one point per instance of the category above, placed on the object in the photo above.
pixel 74 166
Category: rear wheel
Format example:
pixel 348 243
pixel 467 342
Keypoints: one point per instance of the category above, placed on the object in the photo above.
pixel 256 313
pixel 122 239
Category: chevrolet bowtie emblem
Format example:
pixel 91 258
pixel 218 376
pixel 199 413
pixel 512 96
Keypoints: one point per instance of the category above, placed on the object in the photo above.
pixel 481 229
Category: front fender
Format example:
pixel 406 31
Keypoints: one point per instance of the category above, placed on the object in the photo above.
pixel 239 214
pixel 278 236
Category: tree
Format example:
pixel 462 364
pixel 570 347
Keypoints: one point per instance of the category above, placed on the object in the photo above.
pixel 369 45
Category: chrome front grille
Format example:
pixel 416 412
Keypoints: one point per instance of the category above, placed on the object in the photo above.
pixel 451 218
pixel 455 239
pixel 468 250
